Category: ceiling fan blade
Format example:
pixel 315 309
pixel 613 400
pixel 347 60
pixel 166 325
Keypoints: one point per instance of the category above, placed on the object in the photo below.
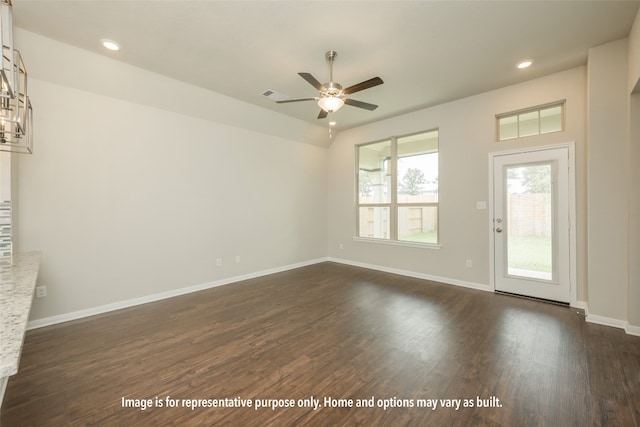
pixel 323 114
pixel 363 85
pixel 284 101
pixel 312 80
pixel 360 104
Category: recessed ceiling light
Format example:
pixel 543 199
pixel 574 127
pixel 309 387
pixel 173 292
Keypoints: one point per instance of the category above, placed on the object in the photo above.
pixel 110 44
pixel 524 64
pixel 332 123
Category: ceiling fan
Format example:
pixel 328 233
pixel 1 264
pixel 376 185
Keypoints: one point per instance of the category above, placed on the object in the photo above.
pixel 332 96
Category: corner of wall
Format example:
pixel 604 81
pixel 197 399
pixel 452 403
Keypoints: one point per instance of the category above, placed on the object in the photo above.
pixel 634 213
pixel 634 56
pixel 608 183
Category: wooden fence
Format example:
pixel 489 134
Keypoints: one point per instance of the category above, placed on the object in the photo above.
pixel 529 214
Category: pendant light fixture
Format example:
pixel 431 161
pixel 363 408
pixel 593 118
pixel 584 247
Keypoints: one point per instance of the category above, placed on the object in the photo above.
pixel 16 114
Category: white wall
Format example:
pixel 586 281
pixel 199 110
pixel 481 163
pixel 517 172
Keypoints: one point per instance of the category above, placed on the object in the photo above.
pixel 634 214
pixel 634 175
pixel 467 136
pixel 56 62
pixel 127 200
pixel 608 145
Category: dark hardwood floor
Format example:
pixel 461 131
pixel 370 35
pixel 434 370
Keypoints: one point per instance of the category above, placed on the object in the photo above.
pixel 330 331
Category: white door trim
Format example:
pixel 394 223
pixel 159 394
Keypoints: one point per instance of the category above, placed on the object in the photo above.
pixel 572 214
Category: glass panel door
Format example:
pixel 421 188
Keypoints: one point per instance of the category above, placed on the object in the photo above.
pixel 529 221
pixel 531 224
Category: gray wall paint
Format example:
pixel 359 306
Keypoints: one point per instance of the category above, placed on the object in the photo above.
pixel 467 136
pixel 127 200
pixel 608 205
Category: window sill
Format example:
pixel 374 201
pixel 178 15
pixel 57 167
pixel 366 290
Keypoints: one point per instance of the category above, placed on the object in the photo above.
pixel 430 246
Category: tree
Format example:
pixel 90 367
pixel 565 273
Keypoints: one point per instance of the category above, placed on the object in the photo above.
pixel 531 179
pixel 412 182
pixel 365 183
pixel 537 179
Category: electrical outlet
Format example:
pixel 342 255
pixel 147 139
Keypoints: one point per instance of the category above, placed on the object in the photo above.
pixel 469 263
pixel 41 291
pixel 219 262
pixel 237 259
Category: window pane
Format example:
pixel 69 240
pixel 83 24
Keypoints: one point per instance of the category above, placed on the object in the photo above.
pixel 508 128
pixel 374 177
pixel 418 168
pixel 374 222
pixel 418 224
pixel 543 119
pixel 529 222
pixel 528 124
pixel 551 119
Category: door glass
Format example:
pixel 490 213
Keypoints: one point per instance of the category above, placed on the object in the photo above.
pixel 529 222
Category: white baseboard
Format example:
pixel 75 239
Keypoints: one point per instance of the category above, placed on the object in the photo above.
pixel 446 280
pixel 632 330
pixel 53 320
pixel 582 305
pixel 615 323
pixel 606 321
pixel 80 314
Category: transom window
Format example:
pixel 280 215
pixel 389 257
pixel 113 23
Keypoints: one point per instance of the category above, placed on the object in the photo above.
pixel 532 121
pixel 398 189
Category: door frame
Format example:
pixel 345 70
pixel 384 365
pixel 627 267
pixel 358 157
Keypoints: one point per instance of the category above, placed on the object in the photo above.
pixel 573 294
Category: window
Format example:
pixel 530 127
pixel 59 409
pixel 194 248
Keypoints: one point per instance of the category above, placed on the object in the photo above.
pixel 398 189
pixel 532 121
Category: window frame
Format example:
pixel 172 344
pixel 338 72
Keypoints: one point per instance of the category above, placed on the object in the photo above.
pixel 536 109
pixel 393 205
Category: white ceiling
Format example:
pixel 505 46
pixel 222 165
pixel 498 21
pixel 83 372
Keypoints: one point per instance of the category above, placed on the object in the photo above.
pixel 427 52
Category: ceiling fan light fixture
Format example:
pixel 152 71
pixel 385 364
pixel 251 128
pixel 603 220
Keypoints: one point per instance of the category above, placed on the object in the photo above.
pixel 330 104
pixel 331 95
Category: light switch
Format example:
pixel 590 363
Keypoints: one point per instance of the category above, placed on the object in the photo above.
pixel 481 205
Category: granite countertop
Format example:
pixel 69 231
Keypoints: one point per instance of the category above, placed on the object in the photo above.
pixel 18 274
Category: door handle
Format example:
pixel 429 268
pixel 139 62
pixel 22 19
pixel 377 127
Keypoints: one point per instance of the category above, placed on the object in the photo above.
pixel 498 230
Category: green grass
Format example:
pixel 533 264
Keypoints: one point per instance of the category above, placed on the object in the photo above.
pixel 429 237
pixel 525 252
pixel 530 253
